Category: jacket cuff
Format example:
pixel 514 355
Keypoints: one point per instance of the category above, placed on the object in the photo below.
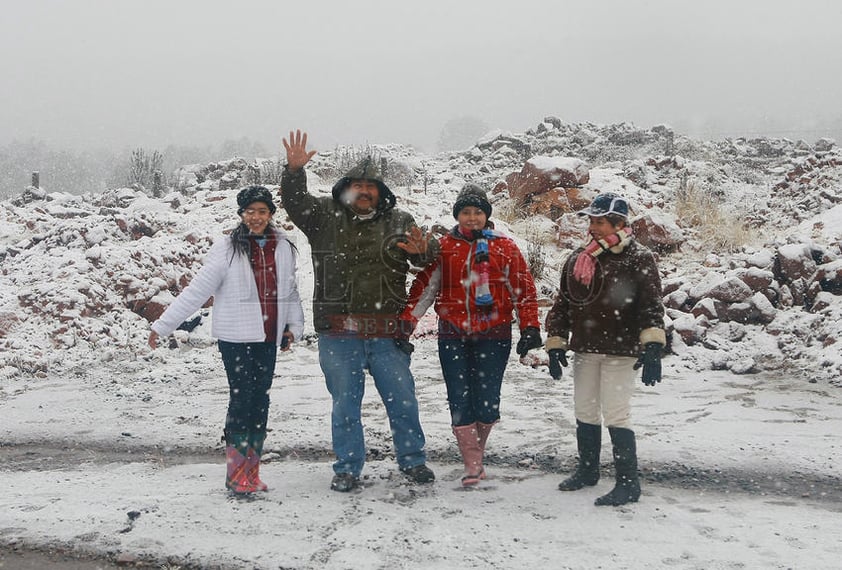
pixel 653 335
pixel 554 343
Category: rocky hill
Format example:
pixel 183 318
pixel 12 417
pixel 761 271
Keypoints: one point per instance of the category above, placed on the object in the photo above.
pixel 747 232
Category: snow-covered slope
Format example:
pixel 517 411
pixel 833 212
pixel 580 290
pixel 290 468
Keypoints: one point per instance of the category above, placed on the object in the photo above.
pixel 79 272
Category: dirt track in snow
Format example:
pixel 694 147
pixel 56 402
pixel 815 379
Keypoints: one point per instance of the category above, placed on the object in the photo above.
pixel 822 490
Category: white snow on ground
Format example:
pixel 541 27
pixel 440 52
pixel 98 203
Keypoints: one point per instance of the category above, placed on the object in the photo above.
pixel 721 425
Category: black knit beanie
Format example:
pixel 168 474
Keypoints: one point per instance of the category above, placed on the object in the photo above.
pixel 248 196
pixel 472 195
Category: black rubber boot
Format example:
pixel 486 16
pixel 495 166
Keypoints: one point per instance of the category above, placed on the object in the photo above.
pixel 589 441
pixel 627 486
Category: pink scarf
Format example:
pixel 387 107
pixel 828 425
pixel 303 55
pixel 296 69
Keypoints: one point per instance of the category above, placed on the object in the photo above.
pixel 585 266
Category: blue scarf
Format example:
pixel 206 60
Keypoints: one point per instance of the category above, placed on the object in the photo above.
pixel 480 265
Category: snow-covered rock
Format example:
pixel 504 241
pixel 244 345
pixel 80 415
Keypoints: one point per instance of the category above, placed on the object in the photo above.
pixel 82 273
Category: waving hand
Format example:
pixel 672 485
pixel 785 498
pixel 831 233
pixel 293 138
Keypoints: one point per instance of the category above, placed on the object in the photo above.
pixel 297 153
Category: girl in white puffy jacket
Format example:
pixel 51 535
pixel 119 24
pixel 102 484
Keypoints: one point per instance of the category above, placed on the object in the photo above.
pixel 251 276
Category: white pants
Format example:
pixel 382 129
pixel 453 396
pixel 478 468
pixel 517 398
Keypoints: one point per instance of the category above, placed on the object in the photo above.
pixel 602 389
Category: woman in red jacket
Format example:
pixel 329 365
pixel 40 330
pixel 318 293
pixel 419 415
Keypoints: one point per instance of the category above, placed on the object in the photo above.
pixel 478 281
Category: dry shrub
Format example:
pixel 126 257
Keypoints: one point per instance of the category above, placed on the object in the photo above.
pixel 507 211
pixel 536 257
pixel 702 210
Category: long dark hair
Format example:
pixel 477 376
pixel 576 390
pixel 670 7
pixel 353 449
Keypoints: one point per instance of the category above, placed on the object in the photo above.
pixel 241 244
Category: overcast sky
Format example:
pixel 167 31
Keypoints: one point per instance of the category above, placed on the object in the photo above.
pixel 89 73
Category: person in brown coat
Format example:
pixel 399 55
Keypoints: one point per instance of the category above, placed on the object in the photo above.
pixel 609 313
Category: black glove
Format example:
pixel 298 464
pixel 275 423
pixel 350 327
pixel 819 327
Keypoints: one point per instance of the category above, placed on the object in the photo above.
pixel 404 330
pixel 405 345
pixel 650 359
pixel 530 338
pixel 558 360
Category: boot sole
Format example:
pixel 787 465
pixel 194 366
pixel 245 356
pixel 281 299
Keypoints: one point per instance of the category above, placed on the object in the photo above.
pixel 471 480
pixel 576 482
pixel 613 503
pixel 241 490
pixel 610 501
pixel 561 487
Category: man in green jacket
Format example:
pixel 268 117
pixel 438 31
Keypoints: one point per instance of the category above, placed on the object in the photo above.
pixel 361 247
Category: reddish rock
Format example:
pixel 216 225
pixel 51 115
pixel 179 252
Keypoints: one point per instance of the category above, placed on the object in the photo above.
pixel 149 310
pixel 732 290
pixel 671 284
pixel 658 232
pixel 571 231
pixel 813 289
pixel 794 262
pixel 541 174
pixel 786 298
pixel 757 279
pixel 739 312
pixel 829 276
pixel 676 299
pixel 773 295
pixel 691 330
pixel 764 311
pixel 705 307
pixel 557 202
pixel 756 310
pixel 822 301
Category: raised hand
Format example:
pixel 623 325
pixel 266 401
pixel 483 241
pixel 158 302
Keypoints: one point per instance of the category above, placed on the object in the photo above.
pixel 297 153
pixel 416 241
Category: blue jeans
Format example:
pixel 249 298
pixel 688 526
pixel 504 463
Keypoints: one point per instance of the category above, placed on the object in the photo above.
pixel 344 360
pixel 250 367
pixel 473 368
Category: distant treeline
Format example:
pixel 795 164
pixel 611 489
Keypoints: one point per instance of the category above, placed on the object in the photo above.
pixel 81 171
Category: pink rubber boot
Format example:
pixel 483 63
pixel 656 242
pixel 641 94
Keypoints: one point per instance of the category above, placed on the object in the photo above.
pixel 237 477
pixel 468 440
